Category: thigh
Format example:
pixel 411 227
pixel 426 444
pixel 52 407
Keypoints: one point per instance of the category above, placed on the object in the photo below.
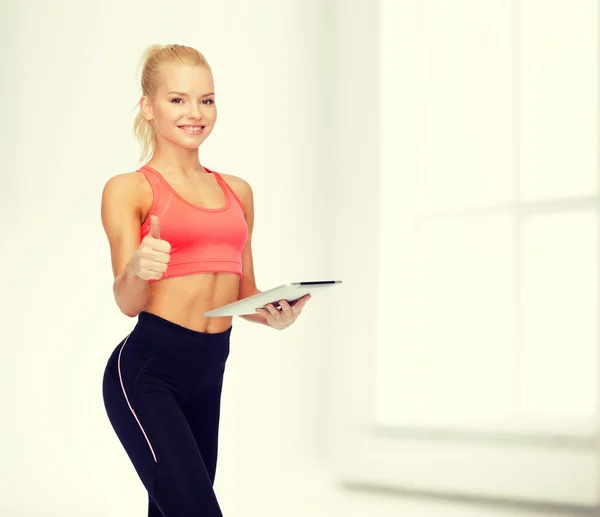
pixel 203 415
pixel 181 486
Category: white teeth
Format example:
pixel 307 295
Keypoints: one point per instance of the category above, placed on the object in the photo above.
pixel 192 129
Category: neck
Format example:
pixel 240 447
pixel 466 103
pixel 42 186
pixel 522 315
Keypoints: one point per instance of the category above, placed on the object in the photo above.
pixel 188 166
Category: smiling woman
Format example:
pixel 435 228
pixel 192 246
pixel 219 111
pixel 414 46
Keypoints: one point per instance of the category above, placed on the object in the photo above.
pixel 180 240
pixel 176 95
pixel 164 79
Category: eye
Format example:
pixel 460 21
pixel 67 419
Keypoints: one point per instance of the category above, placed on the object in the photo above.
pixel 205 101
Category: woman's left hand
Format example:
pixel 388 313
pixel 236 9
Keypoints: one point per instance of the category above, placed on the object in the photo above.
pixel 282 318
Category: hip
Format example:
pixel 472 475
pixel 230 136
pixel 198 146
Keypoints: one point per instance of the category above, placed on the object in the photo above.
pixel 161 352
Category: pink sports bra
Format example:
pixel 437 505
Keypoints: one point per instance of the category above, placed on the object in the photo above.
pixel 203 240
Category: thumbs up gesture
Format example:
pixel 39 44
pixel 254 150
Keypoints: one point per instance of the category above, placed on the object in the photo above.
pixel 151 259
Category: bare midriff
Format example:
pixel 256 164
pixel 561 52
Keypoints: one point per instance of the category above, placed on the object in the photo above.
pixel 184 299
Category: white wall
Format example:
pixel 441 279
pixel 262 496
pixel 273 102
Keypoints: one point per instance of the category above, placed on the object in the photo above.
pixel 297 113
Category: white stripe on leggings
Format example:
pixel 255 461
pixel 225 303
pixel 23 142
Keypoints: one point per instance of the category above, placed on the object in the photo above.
pixel 123 388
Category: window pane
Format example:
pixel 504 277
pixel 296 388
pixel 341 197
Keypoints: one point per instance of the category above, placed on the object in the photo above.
pixel 560 315
pixel 559 103
pixel 464 320
pixel 465 114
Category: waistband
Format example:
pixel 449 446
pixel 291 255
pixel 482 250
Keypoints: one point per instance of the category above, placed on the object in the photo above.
pixel 150 320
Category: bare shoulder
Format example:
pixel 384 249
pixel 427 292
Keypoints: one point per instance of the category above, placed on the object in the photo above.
pixel 127 182
pixel 235 181
pixel 130 187
pixel 240 186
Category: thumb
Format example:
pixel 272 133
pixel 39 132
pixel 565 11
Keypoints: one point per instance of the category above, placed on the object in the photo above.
pixel 154 227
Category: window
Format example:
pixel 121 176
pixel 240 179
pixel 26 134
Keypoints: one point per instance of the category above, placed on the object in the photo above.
pixel 484 367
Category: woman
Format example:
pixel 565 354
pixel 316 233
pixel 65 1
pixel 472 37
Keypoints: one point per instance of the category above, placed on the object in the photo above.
pixel 162 384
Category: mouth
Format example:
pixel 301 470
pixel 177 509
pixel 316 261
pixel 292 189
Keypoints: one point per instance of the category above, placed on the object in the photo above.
pixel 192 130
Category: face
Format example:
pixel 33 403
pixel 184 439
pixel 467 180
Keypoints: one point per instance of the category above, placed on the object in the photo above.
pixel 192 104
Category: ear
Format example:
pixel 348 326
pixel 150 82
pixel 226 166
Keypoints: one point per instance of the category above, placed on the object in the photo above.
pixel 146 108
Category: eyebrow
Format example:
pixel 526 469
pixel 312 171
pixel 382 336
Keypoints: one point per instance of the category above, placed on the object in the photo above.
pixel 185 94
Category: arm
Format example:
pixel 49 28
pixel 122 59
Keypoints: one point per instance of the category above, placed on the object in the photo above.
pixel 248 283
pixel 121 222
pixel 271 317
pixel 254 318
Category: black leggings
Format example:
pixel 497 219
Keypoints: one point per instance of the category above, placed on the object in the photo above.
pixel 162 392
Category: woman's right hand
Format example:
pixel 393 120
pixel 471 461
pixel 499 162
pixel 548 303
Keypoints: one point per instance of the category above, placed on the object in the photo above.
pixel 151 259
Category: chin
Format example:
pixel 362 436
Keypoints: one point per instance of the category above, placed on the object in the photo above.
pixel 195 138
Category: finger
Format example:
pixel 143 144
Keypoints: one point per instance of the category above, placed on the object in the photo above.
pixel 160 246
pixel 274 312
pixel 302 302
pixel 152 265
pixel 286 308
pixel 157 267
pixel 264 313
pixel 159 256
pixel 154 227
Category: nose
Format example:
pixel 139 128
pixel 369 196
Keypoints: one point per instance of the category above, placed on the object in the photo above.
pixel 195 111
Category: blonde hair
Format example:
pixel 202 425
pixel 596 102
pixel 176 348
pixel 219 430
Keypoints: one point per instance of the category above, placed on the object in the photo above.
pixel 152 58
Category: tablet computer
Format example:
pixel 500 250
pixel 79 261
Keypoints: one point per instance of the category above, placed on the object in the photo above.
pixel 290 292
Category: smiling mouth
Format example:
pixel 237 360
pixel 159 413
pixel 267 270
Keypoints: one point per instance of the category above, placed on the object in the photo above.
pixel 192 130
